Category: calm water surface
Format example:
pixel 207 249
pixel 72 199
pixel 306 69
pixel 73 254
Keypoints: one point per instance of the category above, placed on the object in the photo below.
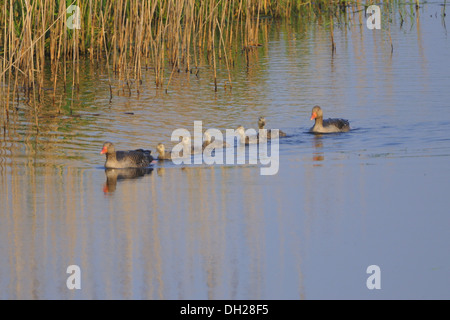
pixel 339 203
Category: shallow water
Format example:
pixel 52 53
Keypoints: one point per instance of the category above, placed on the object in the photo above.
pixel 338 204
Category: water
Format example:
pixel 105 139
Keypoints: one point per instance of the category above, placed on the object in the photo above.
pixel 339 203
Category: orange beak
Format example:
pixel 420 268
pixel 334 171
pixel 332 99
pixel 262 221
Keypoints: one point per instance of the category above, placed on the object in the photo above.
pixel 104 150
pixel 313 116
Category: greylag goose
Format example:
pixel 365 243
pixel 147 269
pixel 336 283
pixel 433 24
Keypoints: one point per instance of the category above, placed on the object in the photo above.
pixel 162 153
pixel 244 139
pixel 216 144
pixel 126 159
pixel 262 123
pixel 328 125
pixel 186 141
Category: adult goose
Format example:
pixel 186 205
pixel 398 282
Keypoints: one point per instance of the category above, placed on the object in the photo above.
pixel 328 125
pixel 139 158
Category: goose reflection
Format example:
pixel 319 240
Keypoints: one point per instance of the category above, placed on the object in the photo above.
pixel 113 175
pixel 161 171
pixel 318 146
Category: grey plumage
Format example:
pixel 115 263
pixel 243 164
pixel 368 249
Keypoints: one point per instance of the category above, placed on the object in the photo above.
pixel 138 158
pixel 328 125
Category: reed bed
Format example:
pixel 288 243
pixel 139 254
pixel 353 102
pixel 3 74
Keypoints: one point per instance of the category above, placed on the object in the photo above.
pixel 130 37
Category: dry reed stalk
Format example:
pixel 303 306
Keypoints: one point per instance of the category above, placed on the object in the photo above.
pixel 30 58
pixel 64 41
pixel 107 56
pixel 75 65
pixel 4 90
pixel 214 58
pixel 139 36
pixel 188 24
pixel 226 56
pixel 174 45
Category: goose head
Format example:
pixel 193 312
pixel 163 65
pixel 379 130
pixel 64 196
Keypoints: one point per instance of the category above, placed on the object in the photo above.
pixel 316 113
pixel 108 148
